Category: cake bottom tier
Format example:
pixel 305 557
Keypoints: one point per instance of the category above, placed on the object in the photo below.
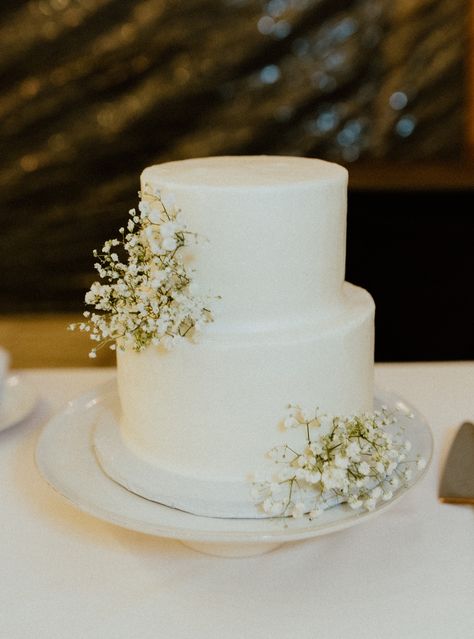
pixel 207 413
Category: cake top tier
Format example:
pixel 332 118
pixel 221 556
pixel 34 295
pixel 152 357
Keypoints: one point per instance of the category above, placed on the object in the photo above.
pixel 252 171
pixel 272 235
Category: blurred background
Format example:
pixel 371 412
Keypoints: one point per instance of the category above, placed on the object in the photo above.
pixel 92 91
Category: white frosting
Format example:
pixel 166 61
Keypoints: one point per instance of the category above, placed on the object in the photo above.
pixel 287 329
pixel 213 409
pixel 272 235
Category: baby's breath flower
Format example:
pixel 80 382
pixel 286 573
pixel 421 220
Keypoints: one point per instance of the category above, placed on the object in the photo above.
pixel 364 468
pixel 343 459
pixel 394 482
pixel 169 229
pixel 421 463
pixel 274 453
pixel 169 244
pixel 286 473
pixel 154 217
pixel 145 299
pixel 370 503
pixel 313 477
pixel 316 448
pixel 354 502
pixel 301 461
pixel 290 422
pixel 298 510
pixel 144 207
pixel 300 473
pixel 268 505
pixel 391 466
pixel 353 450
pixel 376 492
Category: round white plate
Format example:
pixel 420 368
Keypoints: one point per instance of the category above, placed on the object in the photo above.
pixel 66 460
pixel 17 401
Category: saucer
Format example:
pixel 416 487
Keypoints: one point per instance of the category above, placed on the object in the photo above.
pixel 66 459
pixel 17 401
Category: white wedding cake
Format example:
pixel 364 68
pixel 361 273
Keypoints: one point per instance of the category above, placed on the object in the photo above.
pixel 197 420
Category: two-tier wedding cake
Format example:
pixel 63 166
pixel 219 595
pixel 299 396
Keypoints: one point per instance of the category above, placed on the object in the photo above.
pixel 196 420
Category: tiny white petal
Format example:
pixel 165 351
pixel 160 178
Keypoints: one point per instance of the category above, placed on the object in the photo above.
pixel 290 422
pixel 169 244
pixel 370 504
pixel 376 493
pixel 154 216
pixel 364 468
pixel 298 510
pixel 421 463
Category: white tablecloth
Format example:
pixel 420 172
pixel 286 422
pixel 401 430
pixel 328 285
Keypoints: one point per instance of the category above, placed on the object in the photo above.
pixel 407 574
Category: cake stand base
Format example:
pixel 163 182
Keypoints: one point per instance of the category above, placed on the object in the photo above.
pixel 231 549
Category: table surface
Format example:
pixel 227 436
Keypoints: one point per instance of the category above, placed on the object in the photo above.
pixel 406 574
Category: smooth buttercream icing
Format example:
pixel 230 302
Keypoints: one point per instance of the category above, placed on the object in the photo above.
pixel 287 329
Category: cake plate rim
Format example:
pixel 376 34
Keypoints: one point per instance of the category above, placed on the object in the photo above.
pixel 65 459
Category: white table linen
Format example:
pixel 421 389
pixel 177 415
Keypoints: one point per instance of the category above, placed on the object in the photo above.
pixel 407 574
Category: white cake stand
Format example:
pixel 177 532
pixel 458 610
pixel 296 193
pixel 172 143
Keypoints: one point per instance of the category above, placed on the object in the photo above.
pixel 66 459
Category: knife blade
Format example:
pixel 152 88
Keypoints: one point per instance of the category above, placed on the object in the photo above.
pixel 457 483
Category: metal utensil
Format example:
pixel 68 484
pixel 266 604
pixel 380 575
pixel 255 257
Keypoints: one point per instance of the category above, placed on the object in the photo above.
pixel 457 482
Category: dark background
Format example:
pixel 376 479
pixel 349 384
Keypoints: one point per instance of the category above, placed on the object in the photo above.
pixel 92 91
pixel 413 250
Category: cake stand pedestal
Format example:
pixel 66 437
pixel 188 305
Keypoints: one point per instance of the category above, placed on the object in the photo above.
pixel 231 550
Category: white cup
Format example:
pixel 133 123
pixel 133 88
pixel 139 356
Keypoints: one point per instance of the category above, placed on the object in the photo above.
pixel 4 364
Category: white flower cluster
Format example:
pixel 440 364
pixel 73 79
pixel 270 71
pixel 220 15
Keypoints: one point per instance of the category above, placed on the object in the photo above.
pixel 146 297
pixel 346 459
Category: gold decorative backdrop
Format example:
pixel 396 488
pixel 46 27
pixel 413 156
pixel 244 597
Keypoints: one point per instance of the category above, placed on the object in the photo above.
pixel 92 91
